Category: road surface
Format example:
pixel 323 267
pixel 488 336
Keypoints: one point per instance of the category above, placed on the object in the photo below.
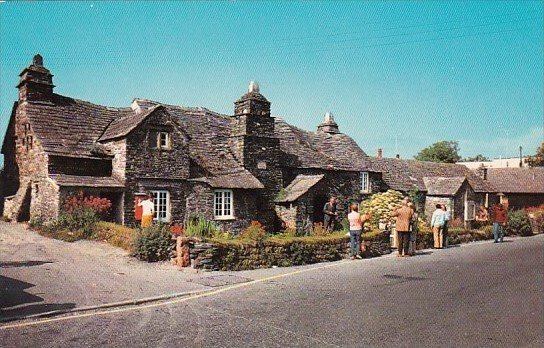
pixel 479 294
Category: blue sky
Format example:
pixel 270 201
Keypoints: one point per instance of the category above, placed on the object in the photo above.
pixel 396 75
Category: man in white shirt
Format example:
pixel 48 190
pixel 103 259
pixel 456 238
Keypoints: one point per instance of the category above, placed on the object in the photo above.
pixel 148 208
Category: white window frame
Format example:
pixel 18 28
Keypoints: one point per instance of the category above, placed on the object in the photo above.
pixel 166 135
pixel 161 198
pixel 365 182
pixel 223 204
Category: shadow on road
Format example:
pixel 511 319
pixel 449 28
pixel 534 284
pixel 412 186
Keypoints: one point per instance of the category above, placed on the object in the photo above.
pixel 14 264
pixel 15 301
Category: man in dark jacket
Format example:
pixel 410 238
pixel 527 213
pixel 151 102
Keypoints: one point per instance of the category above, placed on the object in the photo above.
pixel 499 221
pixel 330 214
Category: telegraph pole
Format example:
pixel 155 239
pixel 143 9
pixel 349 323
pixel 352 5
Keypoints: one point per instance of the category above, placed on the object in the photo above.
pixel 520 157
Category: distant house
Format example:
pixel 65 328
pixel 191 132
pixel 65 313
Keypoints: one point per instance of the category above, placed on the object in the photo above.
pixel 509 162
pixel 228 168
pixel 459 188
pixel 520 187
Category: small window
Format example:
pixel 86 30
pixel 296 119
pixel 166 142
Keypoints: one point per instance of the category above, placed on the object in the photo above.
pixel 223 204
pixel 365 182
pixel 161 202
pixel 159 140
pixel 29 142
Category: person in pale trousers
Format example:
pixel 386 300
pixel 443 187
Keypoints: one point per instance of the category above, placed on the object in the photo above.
pixel 437 223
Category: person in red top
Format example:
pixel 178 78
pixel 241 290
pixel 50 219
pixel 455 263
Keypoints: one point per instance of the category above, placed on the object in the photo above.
pixel 499 221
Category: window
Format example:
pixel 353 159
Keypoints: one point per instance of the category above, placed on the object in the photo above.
pixel 470 211
pixel 163 140
pixel 365 182
pixel 159 140
pixel 161 202
pixel 223 205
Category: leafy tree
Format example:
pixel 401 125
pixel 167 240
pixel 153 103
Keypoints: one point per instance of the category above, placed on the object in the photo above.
pixel 442 151
pixel 538 159
pixel 477 158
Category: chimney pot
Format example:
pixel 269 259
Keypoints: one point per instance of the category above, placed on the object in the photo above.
pixel 380 153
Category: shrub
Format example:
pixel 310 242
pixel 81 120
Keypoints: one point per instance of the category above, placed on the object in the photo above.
pixel 319 230
pixel 153 243
pixel 457 223
pixel 518 223
pixel 116 235
pixel 487 231
pixel 199 227
pixel 255 231
pixel 381 205
pixel 80 213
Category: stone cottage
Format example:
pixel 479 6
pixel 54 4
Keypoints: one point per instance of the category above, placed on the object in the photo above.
pixel 456 186
pixel 196 162
pixel 518 187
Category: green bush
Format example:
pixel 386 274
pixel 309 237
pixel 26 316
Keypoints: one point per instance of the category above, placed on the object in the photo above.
pixel 518 223
pixel 81 221
pixel 320 230
pixel 202 228
pixel 153 243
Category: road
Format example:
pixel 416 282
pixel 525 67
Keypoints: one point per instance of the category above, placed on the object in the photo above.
pixel 480 294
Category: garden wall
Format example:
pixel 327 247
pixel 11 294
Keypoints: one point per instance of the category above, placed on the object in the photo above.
pixel 245 255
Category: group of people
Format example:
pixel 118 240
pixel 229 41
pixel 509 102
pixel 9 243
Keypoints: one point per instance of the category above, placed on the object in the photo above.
pixel 406 225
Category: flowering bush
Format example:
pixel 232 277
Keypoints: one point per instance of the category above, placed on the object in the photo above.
pixel 255 231
pixel 177 230
pixel 518 224
pixel 381 205
pixel 80 213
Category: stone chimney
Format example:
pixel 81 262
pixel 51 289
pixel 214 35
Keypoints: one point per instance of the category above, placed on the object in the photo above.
pixel 253 103
pixel 482 172
pixel 380 153
pixel 328 125
pixel 36 82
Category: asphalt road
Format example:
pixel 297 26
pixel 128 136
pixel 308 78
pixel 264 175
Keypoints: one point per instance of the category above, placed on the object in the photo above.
pixel 480 294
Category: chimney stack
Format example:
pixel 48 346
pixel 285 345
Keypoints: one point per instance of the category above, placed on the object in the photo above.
pixel 380 153
pixel 36 82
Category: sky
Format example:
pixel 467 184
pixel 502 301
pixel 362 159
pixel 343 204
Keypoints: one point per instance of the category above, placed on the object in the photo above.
pixel 396 75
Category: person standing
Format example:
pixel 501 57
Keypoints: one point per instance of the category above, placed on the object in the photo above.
pixel 437 224
pixel 414 228
pixel 445 237
pixel 483 214
pixel 402 225
pixel 356 222
pixel 499 221
pixel 148 208
pixel 330 214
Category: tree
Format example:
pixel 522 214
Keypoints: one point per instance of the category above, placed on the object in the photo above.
pixel 477 158
pixel 538 159
pixel 443 151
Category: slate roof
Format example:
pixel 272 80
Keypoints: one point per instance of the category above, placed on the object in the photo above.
pixel 243 180
pixel 305 149
pixel 120 127
pixel 405 175
pixel 85 181
pixel 440 186
pixel 70 127
pixel 516 180
pixel 299 186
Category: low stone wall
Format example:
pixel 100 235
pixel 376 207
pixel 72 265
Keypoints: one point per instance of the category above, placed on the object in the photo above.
pixel 235 256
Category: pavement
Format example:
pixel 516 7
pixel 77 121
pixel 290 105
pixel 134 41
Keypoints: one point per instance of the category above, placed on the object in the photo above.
pixel 478 294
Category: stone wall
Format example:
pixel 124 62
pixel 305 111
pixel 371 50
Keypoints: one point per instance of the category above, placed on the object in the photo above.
pixel 200 203
pixel 30 165
pixel 248 255
pixel 45 199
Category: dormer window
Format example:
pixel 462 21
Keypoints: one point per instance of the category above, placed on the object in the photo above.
pixel 160 140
